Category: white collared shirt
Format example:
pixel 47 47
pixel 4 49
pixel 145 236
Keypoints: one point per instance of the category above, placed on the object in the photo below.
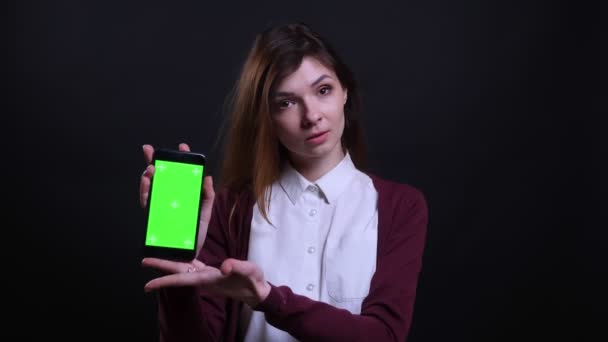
pixel 321 244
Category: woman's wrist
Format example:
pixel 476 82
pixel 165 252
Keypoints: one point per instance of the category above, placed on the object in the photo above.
pixel 261 293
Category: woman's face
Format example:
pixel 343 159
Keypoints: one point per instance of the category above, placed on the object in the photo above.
pixel 308 112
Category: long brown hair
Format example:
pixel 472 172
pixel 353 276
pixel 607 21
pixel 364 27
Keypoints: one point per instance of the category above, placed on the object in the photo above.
pixel 252 152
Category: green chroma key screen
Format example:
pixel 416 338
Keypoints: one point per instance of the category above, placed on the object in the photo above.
pixel 174 205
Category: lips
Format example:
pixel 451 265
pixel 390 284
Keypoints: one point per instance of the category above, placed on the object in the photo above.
pixel 316 135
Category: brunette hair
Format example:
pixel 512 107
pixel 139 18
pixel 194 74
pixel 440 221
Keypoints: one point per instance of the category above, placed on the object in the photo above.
pixel 252 152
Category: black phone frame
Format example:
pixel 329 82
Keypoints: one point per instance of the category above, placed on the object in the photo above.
pixel 171 253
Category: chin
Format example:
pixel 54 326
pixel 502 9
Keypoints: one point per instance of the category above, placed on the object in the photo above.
pixel 321 150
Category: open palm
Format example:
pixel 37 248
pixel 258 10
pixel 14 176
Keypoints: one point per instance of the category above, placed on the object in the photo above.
pixel 238 279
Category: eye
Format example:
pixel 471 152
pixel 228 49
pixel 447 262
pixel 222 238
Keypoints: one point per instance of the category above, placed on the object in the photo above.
pixel 284 104
pixel 325 90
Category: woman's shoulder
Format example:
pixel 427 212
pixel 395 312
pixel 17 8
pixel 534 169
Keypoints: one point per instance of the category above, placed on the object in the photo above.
pixel 396 190
pixel 401 202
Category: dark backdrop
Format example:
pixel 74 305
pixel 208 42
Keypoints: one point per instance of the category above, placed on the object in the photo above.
pixel 483 105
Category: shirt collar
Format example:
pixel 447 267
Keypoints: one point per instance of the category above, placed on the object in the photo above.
pixel 331 184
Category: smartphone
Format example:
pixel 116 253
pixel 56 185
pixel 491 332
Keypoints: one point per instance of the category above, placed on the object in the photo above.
pixel 174 205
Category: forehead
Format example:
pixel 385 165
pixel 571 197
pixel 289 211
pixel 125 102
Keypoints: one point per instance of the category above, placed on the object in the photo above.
pixel 307 72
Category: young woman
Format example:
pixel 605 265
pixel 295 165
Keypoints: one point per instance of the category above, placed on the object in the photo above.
pixel 300 243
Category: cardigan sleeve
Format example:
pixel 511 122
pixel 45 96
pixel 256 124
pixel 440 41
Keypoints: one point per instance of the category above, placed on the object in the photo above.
pixel 186 313
pixel 386 312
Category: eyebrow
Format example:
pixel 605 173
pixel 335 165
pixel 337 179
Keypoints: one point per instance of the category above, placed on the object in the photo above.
pixel 286 93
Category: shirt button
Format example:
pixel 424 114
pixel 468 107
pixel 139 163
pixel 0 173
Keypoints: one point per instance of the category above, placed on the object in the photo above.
pixel 312 212
pixel 312 188
pixel 309 287
pixel 311 250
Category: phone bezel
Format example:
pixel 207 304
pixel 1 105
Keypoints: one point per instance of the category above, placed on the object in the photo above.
pixel 170 252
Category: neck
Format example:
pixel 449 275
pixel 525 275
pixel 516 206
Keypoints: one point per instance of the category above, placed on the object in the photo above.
pixel 313 168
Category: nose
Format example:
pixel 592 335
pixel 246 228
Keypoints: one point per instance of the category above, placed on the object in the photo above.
pixel 311 114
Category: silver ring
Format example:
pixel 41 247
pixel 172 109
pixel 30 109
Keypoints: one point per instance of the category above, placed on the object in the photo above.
pixel 191 269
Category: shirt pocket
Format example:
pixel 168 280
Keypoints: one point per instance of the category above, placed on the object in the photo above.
pixel 349 266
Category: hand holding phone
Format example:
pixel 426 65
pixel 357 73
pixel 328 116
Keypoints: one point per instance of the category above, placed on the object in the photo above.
pixel 175 229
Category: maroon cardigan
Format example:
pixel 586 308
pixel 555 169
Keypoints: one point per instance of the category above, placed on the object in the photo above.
pixel 188 314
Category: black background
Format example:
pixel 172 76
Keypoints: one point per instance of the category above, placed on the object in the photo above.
pixel 490 108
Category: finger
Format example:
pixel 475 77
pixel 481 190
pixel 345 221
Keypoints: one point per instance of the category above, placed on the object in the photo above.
pixel 208 196
pixel 144 191
pixel 208 188
pixel 148 153
pixel 199 265
pixel 206 208
pixel 172 280
pixel 206 276
pixel 149 171
pixel 167 266
pixel 184 147
pixel 144 185
pixel 243 268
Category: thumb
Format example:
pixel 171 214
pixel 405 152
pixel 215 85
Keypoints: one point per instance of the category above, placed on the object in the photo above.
pixel 208 192
pixel 233 266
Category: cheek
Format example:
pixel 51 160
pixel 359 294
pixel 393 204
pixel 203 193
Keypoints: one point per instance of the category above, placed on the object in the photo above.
pixel 341 126
pixel 339 122
pixel 284 130
pixel 335 109
pixel 338 116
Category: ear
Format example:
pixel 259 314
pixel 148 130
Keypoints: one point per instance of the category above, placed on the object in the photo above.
pixel 345 95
